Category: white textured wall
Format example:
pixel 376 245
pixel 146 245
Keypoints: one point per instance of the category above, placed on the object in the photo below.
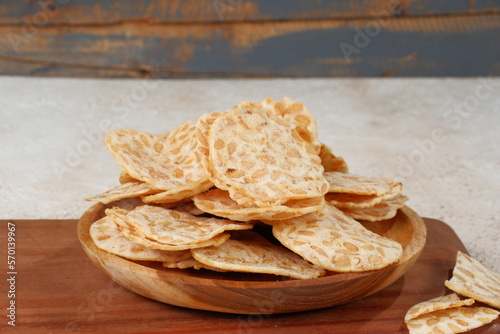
pixel 438 136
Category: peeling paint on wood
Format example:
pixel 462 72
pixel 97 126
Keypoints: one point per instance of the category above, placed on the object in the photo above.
pixel 259 38
pixel 85 12
pixel 417 46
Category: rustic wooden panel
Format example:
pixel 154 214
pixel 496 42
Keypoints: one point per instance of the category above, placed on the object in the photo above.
pixel 54 12
pixel 485 6
pixel 50 69
pixel 374 46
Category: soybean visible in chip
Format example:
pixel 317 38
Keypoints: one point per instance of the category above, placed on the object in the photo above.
pixel 361 185
pixel 167 162
pixel 107 237
pixel 436 304
pixel 384 210
pixel 218 203
pixel 202 129
pixel 452 320
pixel 119 216
pixel 125 190
pixel 334 241
pixel 473 279
pixel 294 112
pixel 256 257
pixel 178 228
pixel 330 161
pixel 260 159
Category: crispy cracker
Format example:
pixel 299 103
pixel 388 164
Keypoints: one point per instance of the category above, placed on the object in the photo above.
pixel 336 242
pixel 384 210
pixel 361 185
pixel 215 241
pixel 352 201
pixel 258 158
pixel 331 162
pixel 108 237
pixel 473 279
pixel 125 178
pixel 125 190
pixel 256 257
pixel 167 162
pixel 218 203
pixel 119 216
pixel 452 320
pixel 178 228
pixel 436 304
pixel 202 128
pixel 171 197
pixel 295 113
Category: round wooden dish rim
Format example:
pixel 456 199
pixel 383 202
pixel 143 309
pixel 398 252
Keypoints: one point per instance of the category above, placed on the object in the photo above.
pixel 95 212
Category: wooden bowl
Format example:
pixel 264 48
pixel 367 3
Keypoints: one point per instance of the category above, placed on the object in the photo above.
pixel 256 293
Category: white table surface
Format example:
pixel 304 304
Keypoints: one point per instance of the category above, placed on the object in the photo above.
pixel 438 136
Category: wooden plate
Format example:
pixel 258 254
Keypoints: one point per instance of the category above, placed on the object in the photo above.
pixel 256 293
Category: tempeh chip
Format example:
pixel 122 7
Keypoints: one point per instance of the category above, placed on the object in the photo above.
pixel 107 236
pixel 473 279
pixel 435 304
pixel 256 257
pixel 166 162
pixel 452 320
pixel 178 228
pixel 330 161
pixel 261 160
pixel 119 216
pixel 384 210
pixel 218 203
pixel 361 185
pixel 334 241
pixel 124 190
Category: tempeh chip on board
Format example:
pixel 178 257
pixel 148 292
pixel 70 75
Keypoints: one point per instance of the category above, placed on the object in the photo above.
pixel 452 320
pixel 384 210
pixel 178 228
pixel 436 304
pixel 107 236
pixel 167 162
pixel 202 129
pixel 257 257
pixel 124 190
pixel 473 279
pixel 119 216
pixel 260 159
pixel 294 112
pixel 330 161
pixel 334 241
pixel 361 185
pixel 218 203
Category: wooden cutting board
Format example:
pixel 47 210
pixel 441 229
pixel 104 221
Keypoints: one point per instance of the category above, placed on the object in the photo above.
pixel 58 290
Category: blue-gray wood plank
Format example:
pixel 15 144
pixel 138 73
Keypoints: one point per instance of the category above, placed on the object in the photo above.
pixel 53 12
pixel 252 39
pixel 399 46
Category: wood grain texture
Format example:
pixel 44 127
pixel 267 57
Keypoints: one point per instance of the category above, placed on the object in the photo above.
pixel 380 46
pixel 59 290
pixel 79 12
